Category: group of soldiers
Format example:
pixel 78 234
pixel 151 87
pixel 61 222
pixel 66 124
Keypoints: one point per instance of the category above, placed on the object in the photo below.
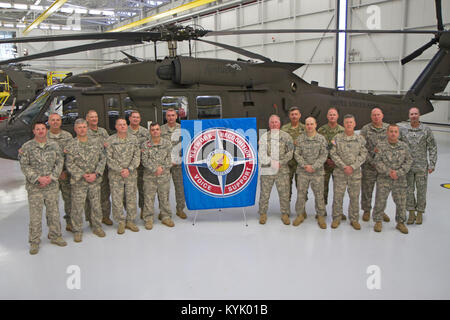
pixel 94 167
pixel 396 160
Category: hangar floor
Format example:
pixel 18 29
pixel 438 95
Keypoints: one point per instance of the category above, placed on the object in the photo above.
pixel 221 258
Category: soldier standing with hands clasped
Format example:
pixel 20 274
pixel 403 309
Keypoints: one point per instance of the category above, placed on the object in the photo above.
pixel 348 154
pixel 310 152
pixel 123 158
pixel 41 161
pixel 392 161
pixel 157 161
pixel 86 163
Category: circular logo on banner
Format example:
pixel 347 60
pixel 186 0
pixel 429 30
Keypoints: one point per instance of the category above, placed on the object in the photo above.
pixel 220 162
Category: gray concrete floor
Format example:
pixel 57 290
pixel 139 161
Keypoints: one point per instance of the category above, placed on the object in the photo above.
pixel 221 258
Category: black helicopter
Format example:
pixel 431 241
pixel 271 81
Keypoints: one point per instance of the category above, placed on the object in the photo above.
pixel 211 88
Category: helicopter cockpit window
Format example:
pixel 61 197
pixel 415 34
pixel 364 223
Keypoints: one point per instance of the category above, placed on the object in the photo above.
pixel 180 104
pixel 113 107
pixel 209 107
pixel 66 107
pixel 33 109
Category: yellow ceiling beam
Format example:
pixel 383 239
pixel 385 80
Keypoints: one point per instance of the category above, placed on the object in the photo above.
pixel 184 7
pixel 52 9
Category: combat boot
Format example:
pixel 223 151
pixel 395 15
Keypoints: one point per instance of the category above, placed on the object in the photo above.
pixel 336 222
pixel 34 248
pixel 160 217
pixel 285 219
pixel 355 225
pixel 168 222
pixel 263 218
pixel 386 217
pixel 77 237
pixel 305 215
pixel 300 218
pixel 99 232
pixel 343 217
pixel 181 214
pixel 402 228
pixel 59 242
pixel 121 228
pixel 321 222
pixel 366 216
pixel 378 226
pixel 412 217
pixel 107 221
pixel 142 214
pixel 69 228
pixel 149 225
pixel 419 217
pixel 131 226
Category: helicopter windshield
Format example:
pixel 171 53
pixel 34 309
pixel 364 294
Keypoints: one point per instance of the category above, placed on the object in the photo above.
pixel 33 109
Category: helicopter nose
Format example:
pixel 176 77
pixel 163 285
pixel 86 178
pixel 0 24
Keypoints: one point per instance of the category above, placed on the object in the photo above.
pixel 3 147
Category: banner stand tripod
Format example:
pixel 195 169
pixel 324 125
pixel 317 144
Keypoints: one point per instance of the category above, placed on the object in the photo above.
pixel 220 211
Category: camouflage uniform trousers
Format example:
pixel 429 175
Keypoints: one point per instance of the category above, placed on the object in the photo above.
pixel 386 185
pixel 120 188
pixel 304 180
pixel 37 198
pixel 281 181
pixel 82 191
pixel 369 178
pixel 105 203
pixel 140 185
pixel 65 188
pixel 416 180
pixel 153 185
pixel 177 177
pixel 342 182
pixel 326 182
pixel 293 176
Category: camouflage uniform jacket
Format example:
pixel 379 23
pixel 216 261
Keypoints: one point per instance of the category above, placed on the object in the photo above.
pixel 294 133
pixel 329 134
pixel 373 136
pixel 349 151
pixel 62 139
pixel 100 134
pixel 284 153
pixel 311 151
pixel 175 139
pixel 122 153
pixel 40 161
pixel 421 143
pixel 141 134
pixel 85 157
pixel 156 155
pixel 393 157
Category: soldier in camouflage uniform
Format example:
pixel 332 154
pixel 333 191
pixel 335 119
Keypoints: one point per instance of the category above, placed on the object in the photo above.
pixel 96 132
pixel 392 161
pixel 171 132
pixel 348 154
pixel 41 161
pixel 86 162
pixel 373 132
pixel 157 161
pixel 142 135
pixel 123 158
pixel 329 131
pixel 62 138
pixel 423 149
pixel 294 128
pixel 275 150
pixel 310 153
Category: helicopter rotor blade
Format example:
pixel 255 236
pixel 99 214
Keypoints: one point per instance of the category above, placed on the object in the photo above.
pixel 419 51
pixel 85 47
pixel 440 25
pixel 130 57
pixel 238 50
